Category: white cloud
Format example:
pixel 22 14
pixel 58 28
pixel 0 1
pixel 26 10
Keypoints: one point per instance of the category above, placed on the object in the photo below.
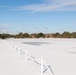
pixel 4 28
pixel 3 31
pixel 51 5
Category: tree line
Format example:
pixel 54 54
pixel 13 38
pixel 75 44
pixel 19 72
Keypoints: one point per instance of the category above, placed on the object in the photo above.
pixel 26 35
pixel 39 35
pixel 22 35
pixel 4 36
pixel 65 35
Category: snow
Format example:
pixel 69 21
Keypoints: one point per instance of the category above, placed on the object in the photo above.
pixel 59 54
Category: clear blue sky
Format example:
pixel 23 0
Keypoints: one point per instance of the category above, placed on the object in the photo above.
pixel 47 16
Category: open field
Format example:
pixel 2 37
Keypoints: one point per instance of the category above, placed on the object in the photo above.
pixel 59 55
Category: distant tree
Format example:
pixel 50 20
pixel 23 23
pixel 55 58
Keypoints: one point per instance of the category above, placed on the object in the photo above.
pixel 40 35
pixel 57 35
pixel 4 36
pixel 73 35
pixel 33 35
pixel 19 35
pixel 66 35
pixel 25 35
pixel 0 36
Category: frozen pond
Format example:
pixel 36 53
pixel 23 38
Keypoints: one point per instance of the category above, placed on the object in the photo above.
pixel 59 54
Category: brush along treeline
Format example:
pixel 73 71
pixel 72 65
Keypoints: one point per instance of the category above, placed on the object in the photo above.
pixel 39 35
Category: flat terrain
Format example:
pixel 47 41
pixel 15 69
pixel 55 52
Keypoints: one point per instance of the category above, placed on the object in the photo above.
pixel 59 54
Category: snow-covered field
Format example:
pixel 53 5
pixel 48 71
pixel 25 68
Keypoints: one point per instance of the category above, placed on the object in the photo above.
pixel 59 55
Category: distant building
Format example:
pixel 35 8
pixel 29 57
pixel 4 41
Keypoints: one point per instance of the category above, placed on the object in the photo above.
pixel 48 35
pixel 33 35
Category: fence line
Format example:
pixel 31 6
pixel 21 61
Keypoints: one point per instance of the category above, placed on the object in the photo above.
pixel 42 63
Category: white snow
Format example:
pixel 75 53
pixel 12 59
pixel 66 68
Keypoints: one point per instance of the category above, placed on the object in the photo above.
pixel 59 54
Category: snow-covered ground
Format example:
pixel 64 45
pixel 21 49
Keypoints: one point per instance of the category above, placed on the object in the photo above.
pixel 59 55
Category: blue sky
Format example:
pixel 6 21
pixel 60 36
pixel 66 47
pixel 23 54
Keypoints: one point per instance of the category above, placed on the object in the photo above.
pixel 33 16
